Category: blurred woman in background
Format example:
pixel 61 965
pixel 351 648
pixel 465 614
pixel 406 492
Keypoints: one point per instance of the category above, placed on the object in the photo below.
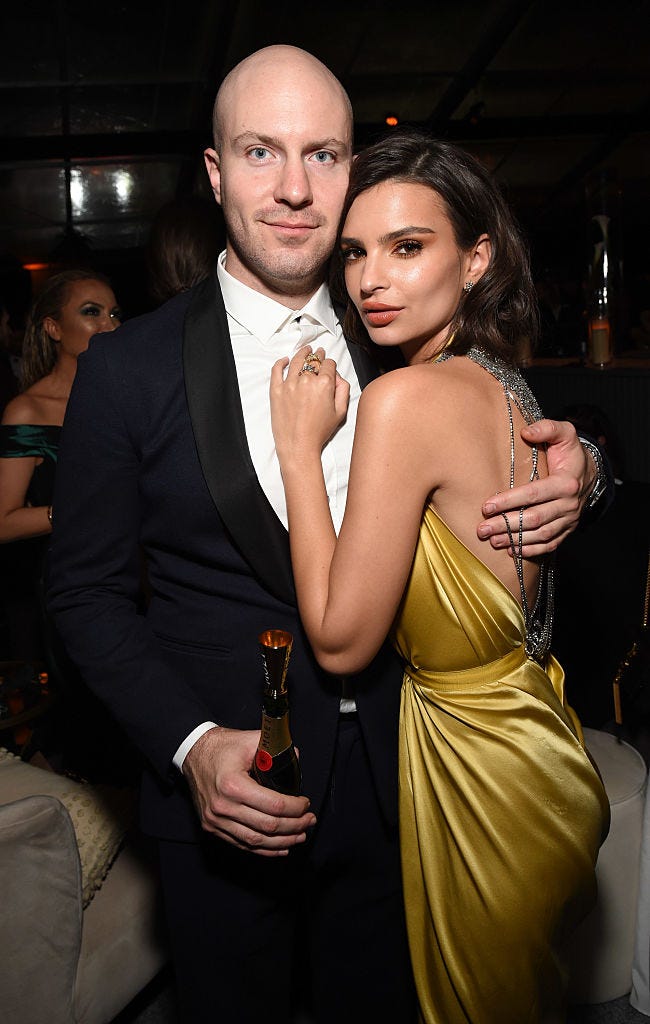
pixel 185 238
pixel 71 307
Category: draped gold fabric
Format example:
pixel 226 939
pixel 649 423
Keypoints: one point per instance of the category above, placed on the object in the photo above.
pixel 501 810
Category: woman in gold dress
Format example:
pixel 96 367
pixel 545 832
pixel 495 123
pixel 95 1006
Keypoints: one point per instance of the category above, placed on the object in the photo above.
pixel 501 810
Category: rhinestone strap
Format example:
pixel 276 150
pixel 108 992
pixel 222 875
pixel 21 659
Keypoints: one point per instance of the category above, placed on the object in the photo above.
pixel 539 619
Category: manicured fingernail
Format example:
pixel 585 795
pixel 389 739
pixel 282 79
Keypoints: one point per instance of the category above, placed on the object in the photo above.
pixel 484 530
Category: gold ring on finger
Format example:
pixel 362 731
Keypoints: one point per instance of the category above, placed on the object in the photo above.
pixel 308 367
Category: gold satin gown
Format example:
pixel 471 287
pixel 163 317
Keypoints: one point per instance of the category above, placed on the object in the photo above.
pixel 501 810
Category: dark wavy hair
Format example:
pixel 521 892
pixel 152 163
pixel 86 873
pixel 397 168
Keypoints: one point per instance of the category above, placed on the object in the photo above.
pixel 39 348
pixel 500 313
pixel 185 239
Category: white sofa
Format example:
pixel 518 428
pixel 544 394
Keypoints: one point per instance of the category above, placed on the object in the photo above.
pixel 80 928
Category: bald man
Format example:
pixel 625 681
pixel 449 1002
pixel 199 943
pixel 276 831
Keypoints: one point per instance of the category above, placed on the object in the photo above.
pixel 167 447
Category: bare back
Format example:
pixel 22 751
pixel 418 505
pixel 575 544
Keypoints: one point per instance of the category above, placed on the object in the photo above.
pixel 476 460
pixel 439 433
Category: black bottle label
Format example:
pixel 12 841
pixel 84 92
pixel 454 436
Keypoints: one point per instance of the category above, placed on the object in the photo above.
pixel 280 772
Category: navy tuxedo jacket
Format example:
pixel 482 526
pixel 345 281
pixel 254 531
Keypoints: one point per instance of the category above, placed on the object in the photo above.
pixel 154 459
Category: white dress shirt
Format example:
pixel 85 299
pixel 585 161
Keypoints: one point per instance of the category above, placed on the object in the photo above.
pixel 261 332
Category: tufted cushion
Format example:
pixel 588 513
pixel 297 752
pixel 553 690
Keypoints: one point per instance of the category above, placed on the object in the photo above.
pixel 100 815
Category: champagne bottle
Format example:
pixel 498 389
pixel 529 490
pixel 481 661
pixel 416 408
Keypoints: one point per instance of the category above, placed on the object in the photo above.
pixel 276 763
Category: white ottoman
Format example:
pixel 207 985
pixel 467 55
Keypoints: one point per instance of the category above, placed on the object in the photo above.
pixel 640 995
pixel 601 950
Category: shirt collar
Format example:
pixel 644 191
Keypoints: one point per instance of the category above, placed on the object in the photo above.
pixel 263 317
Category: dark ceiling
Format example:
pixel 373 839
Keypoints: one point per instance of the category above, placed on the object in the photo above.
pixel 105 108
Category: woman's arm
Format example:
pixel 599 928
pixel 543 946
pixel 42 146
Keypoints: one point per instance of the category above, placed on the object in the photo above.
pixel 18 522
pixel 349 590
pixel 553 506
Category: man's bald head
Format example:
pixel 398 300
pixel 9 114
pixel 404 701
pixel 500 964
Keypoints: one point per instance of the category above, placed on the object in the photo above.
pixel 277 66
pixel 279 169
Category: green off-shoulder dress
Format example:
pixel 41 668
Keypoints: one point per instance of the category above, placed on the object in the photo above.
pixel 29 439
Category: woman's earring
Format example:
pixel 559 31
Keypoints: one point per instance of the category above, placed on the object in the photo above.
pixel 467 287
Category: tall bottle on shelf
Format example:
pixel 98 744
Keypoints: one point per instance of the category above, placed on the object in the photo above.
pixel 276 763
pixel 600 340
pixel 605 269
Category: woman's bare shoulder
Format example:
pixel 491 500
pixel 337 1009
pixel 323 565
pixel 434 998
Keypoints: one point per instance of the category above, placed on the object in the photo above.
pixel 406 381
pixel 433 386
pixel 35 405
pixel 22 409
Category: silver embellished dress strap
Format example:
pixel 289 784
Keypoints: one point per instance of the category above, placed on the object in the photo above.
pixel 539 618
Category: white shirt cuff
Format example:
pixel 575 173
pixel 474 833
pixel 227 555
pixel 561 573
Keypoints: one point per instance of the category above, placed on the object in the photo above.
pixel 189 742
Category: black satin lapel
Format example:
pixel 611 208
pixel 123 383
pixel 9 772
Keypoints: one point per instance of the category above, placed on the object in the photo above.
pixel 218 424
pixel 363 363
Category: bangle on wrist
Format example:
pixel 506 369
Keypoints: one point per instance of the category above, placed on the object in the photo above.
pixel 49 514
pixel 600 484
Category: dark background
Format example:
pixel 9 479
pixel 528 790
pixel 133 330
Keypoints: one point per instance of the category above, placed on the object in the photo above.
pixel 105 110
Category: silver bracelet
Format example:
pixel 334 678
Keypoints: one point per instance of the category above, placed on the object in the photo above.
pixel 600 486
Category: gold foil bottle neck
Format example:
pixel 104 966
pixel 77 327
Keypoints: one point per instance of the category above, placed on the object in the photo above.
pixel 275 648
